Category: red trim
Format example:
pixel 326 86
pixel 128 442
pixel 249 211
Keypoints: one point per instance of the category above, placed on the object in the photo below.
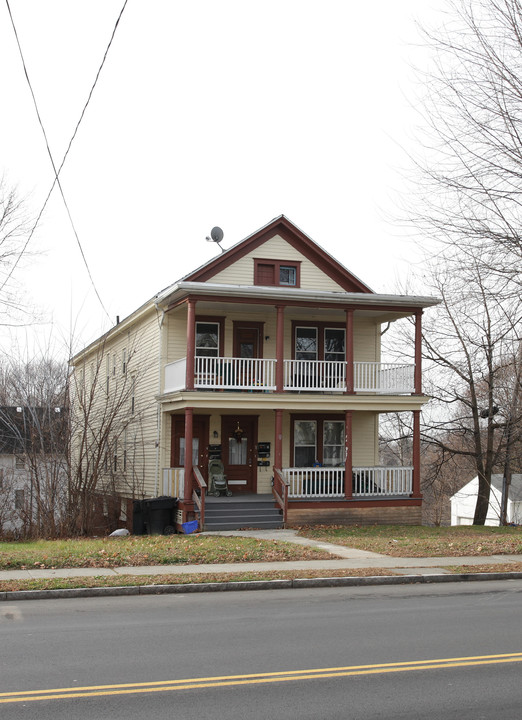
pixel 319 419
pixel 321 327
pixel 277 268
pixel 191 344
pixel 348 463
pixel 349 351
pixel 189 418
pixel 305 504
pixel 302 243
pixel 416 491
pixel 289 302
pixel 220 320
pixel 280 347
pixel 418 352
pixel 245 325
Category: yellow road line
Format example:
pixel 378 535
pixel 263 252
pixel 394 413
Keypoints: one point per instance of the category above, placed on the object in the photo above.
pixel 255 678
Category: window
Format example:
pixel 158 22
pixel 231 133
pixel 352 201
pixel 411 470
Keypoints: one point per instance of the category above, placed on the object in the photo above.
pixel 319 342
pixel 108 373
pixel 306 343
pixel 237 451
pixel 288 275
pixel 277 272
pixel 207 339
pixel 305 443
pixel 19 499
pixel 19 462
pixel 124 362
pixel 320 441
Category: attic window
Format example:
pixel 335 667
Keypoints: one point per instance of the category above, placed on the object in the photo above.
pixel 278 273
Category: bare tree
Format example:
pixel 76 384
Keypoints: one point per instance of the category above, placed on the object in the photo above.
pixel 468 205
pixel 14 234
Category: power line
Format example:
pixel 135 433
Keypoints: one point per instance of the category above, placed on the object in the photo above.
pixel 56 180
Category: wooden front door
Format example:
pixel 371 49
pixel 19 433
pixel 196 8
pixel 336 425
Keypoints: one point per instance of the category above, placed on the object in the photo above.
pixel 199 443
pixel 239 452
pixel 246 342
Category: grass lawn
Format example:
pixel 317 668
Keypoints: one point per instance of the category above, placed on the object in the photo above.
pixel 148 550
pixel 421 541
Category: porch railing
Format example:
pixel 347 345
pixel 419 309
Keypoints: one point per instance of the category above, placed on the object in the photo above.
pixel 366 482
pixel 221 373
pixel 315 482
pixel 314 375
pixel 383 378
pixel 234 373
pixel 198 497
pixel 371 481
pixel 173 482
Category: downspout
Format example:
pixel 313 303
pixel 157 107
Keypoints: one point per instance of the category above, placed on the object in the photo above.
pixel 158 409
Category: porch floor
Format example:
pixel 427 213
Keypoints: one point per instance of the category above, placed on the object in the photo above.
pixel 239 498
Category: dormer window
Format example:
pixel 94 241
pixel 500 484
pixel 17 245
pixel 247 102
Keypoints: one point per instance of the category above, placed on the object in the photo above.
pixel 279 273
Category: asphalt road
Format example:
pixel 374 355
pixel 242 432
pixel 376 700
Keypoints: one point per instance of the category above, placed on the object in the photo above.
pixel 437 651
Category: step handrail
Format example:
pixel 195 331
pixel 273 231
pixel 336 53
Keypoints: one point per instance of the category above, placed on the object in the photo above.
pixel 199 500
pixel 280 492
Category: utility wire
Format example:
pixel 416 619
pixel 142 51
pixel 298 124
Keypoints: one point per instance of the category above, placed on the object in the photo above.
pixel 56 180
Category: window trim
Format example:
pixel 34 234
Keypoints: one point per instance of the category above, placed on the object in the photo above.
pixel 319 420
pixel 320 327
pixel 278 264
pixel 217 319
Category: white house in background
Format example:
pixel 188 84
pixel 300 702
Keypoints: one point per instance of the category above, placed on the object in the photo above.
pixel 464 501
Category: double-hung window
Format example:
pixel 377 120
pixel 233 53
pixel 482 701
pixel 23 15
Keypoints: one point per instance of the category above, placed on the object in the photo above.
pixel 319 442
pixel 207 339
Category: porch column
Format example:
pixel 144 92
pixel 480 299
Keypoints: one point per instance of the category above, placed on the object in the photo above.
pixel 191 343
pixel 278 445
pixel 280 344
pixel 349 352
pixel 418 352
pixel 189 434
pixel 416 491
pixel 348 462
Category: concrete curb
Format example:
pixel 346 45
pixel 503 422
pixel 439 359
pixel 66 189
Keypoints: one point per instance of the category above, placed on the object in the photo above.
pixel 295 584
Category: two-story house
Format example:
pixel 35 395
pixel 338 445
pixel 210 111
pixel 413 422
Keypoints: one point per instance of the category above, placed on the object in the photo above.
pixel 268 359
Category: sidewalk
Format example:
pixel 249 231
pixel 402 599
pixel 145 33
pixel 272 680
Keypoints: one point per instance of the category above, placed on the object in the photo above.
pixel 343 558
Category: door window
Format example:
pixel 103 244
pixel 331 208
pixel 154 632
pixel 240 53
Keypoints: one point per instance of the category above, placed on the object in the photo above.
pixel 306 343
pixel 195 451
pixel 237 451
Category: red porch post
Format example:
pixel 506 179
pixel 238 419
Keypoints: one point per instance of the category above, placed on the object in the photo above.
pixel 348 462
pixel 278 446
pixel 280 344
pixel 191 343
pixel 349 352
pixel 189 434
pixel 418 352
pixel 416 454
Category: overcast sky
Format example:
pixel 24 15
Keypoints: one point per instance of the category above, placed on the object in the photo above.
pixel 206 113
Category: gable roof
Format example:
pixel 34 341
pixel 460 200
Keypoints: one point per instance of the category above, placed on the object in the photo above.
pixel 297 239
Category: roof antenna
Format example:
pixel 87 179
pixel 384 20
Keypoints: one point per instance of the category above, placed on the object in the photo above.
pixel 216 235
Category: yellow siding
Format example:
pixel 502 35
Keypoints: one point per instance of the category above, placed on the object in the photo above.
pixel 266 434
pixel 242 271
pixel 365 439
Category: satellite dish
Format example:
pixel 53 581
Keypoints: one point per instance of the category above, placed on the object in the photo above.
pixel 216 235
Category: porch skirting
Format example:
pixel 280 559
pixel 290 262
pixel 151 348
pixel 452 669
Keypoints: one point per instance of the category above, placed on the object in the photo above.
pixel 404 511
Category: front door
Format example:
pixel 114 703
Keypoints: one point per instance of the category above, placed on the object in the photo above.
pixel 246 340
pixel 199 443
pixel 239 442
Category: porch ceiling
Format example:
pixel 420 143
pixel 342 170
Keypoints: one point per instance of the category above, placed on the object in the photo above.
pixel 245 402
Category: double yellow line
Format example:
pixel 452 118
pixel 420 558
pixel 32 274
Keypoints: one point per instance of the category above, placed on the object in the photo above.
pixel 255 678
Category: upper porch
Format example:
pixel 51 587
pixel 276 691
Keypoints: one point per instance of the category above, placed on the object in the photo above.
pixel 313 342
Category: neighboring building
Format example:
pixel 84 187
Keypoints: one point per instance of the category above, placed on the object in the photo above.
pixel 464 501
pixel 267 357
pixel 33 477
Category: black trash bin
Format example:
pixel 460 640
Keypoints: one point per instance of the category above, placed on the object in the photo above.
pixel 159 515
pixel 138 518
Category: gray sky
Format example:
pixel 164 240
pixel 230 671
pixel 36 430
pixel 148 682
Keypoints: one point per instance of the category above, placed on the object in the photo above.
pixel 206 113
